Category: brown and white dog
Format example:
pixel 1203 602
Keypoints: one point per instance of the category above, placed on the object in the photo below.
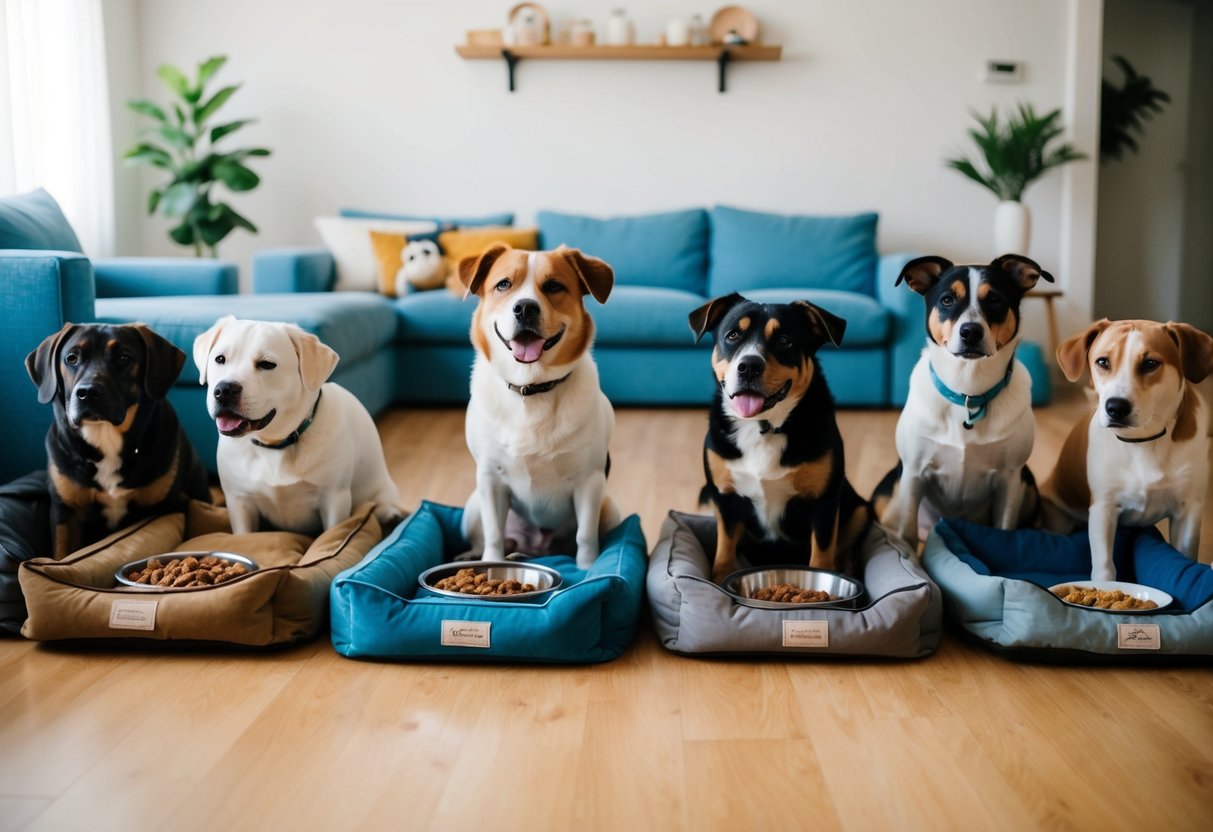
pixel 1142 455
pixel 538 424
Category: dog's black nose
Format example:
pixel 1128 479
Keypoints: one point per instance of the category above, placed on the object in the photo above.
pixel 970 334
pixel 227 392
pixel 84 392
pixel 1118 409
pixel 527 310
pixel 750 367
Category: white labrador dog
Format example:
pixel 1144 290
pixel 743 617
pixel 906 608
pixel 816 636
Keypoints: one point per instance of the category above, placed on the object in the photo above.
pixel 294 450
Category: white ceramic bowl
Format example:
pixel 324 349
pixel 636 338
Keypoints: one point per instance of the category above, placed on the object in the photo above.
pixel 1138 591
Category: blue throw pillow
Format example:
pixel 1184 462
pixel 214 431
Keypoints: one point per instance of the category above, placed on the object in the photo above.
pixel 444 223
pixel 668 250
pixel 34 221
pixel 753 250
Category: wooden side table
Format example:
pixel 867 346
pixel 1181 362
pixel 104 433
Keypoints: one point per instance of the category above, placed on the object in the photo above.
pixel 1048 296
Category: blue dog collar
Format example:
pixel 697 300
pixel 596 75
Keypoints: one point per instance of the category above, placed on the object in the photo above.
pixel 975 406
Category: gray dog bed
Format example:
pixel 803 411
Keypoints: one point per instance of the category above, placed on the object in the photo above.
pixel 900 616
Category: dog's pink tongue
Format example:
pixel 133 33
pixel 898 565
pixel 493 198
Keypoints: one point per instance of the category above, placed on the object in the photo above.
pixel 527 349
pixel 747 406
pixel 227 423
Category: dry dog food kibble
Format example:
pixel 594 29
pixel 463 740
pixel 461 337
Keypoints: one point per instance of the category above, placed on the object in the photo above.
pixel 178 573
pixel 788 594
pixel 1105 599
pixel 468 582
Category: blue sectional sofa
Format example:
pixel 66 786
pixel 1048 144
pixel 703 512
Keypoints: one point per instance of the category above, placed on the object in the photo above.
pixel 665 266
pixel 416 349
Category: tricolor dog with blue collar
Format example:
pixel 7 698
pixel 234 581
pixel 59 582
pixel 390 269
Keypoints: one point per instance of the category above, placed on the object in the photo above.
pixel 967 430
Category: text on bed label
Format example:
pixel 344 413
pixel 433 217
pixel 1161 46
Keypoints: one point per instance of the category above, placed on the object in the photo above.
pixel 1138 637
pixel 466 633
pixel 133 615
pixel 806 634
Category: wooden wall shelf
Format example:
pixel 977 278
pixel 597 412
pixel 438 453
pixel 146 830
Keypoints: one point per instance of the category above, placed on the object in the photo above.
pixel 722 55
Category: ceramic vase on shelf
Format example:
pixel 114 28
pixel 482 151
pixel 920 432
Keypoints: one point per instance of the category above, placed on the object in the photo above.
pixel 1012 228
pixel 620 31
pixel 698 31
pixel 677 32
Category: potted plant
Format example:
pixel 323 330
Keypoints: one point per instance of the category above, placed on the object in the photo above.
pixel 1016 154
pixel 182 143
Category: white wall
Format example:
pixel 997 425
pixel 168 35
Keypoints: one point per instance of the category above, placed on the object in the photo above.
pixel 366 104
pixel 1140 238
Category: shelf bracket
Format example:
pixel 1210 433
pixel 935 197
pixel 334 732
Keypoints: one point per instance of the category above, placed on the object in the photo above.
pixel 511 61
pixel 722 61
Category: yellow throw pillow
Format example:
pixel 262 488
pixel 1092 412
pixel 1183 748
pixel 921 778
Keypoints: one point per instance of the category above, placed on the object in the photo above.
pixel 387 247
pixel 466 242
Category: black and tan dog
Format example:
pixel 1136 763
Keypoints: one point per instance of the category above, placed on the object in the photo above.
pixel 115 450
pixel 773 455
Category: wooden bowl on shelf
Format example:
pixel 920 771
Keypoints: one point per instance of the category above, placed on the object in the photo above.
pixel 733 18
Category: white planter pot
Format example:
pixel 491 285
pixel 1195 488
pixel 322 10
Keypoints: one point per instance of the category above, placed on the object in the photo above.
pixel 1012 228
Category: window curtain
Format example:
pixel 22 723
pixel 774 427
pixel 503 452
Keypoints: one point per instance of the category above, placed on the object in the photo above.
pixel 54 112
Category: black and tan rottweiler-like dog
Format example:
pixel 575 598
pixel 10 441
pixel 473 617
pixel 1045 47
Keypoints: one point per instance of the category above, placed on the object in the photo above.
pixel 115 450
pixel 773 455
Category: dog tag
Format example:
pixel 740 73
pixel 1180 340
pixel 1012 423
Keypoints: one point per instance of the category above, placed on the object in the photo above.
pixel 806 634
pixel 133 615
pixel 1138 637
pixel 466 633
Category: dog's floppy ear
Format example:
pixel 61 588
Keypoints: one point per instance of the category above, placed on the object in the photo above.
pixel 1072 354
pixel 1195 350
pixel 922 273
pixel 164 362
pixel 825 324
pixel 597 277
pixel 707 316
pixel 1023 271
pixel 204 342
pixel 43 364
pixel 317 360
pixel 475 268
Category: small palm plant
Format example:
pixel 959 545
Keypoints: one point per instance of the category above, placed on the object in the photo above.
pixel 1123 108
pixel 181 143
pixel 1016 154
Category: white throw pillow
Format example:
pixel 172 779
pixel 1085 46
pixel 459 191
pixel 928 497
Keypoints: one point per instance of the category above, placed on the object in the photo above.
pixel 348 239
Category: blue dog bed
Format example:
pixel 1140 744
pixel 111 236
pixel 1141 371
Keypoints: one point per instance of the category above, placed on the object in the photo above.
pixel 378 613
pixel 995 586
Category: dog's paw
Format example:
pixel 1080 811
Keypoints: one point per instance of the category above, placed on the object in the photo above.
pixel 1100 574
pixel 466 556
pixel 389 516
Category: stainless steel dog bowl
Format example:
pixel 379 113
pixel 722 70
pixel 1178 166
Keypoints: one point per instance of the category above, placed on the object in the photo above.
pixel 136 565
pixel 744 583
pixel 545 579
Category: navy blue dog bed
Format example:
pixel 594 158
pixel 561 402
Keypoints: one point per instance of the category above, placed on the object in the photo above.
pixel 995 585
pixel 378 613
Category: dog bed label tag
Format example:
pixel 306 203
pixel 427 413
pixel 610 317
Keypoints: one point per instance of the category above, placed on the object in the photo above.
pixel 466 633
pixel 806 634
pixel 133 615
pixel 1138 637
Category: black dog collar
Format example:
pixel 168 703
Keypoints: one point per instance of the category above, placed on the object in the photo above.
pixel 543 387
pixel 294 437
pixel 1141 439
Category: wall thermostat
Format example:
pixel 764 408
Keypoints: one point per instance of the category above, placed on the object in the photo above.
pixel 1002 72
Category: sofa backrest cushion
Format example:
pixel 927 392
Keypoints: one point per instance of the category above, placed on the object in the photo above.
pixel 754 250
pixel 444 223
pixel 668 250
pixel 34 221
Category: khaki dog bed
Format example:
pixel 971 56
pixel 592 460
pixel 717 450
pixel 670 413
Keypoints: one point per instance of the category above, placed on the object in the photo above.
pixel 900 615
pixel 284 600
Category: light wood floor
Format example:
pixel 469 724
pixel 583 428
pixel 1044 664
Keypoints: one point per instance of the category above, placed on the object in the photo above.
pixel 303 739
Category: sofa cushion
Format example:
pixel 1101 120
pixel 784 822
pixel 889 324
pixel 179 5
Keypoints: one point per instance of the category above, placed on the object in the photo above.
pixel 434 317
pixel 753 250
pixel 667 250
pixel 35 221
pixel 355 324
pixel 867 321
pixel 443 222
pixel 645 316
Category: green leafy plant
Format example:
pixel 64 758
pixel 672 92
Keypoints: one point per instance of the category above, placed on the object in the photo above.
pixel 183 144
pixel 1123 108
pixel 1016 153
